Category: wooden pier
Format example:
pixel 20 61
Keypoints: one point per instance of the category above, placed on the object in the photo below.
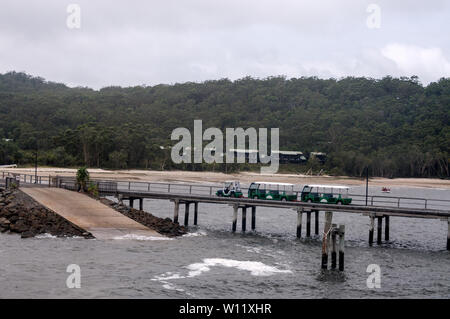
pixel 193 194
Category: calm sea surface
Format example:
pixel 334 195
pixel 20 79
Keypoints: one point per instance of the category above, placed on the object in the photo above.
pixel 211 262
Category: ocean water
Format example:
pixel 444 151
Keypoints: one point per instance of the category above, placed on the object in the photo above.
pixel 212 262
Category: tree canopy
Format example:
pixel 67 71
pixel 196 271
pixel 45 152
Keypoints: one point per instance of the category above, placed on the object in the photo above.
pixel 396 126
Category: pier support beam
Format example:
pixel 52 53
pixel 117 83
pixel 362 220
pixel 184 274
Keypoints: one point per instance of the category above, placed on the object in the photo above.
pixel 141 204
pixel 195 213
pixel 131 200
pixel 235 214
pixel 316 220
pixel 253 217
pixel 386 228
pixel 341 246
pixel 186 214
pixel 379 229
pixel 244 219
pixel 325 239
pixel 299 222
pixel 371 229
pixel 176 210
pixel 308 224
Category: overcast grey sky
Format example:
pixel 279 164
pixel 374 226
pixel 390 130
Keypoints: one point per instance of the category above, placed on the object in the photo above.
pixel 150 42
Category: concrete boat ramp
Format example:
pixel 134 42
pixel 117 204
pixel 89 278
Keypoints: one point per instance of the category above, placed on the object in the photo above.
pixel 101 221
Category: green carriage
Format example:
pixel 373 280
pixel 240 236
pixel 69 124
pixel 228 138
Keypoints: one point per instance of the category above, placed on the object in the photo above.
pixel 327 194
pixel 272 191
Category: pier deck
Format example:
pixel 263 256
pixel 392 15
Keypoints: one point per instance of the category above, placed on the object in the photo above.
pixel 377 208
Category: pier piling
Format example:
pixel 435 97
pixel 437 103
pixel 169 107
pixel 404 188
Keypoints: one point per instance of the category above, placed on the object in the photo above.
pixel 235 213
pixel 341 246
pixel 253 217
pixel 379 229
pixel 176 210
pixel 141 204
pixel 326 233
pixel 131 200
pixel 386 228
pixel 195 213
pixel 244 218
pixel 186 214
pixel 299 222
pixel 371 229
pixel 308 224
pixel 316 220
pixel 333 246
pixel 448 235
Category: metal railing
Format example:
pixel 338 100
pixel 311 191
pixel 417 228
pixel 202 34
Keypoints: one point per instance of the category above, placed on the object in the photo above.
pixel 113 186
pixel 27 178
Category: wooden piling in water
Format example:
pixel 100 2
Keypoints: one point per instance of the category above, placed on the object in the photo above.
pixel 244 218
pixel 326 230
pixel 176 210
pixel 141 204
pixel 379 229
pixel 341 246
pixel 195 213
pixel 253 217
pixel 386 227
pixel 333 246
pixel 316 220
pixel 371 229
pixel 186 214
pixel 235 213
pixel 299 222
pixel 131 200
pixel 448 235
pixel 308 224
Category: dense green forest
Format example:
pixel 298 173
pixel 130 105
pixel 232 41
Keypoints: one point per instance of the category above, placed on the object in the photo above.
pixel 396 126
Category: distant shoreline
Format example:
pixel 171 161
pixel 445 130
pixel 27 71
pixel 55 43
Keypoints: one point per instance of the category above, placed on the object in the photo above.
pixel 244 177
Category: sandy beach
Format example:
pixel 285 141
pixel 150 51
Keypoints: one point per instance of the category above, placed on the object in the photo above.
pixel 244 177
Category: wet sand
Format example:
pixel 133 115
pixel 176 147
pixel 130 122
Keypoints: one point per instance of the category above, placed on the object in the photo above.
pixel 244 177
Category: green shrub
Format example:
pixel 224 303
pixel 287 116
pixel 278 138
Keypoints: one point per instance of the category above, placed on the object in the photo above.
pixel 82 178
pixel 93 189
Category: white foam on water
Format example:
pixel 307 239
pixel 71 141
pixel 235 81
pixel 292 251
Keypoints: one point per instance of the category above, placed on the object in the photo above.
pixel 166 284
pixel 255 268
pixel 45 236
pixel 168 276
pixel 196 234
pixel 251 249
pixel 140 237
pixel 170 286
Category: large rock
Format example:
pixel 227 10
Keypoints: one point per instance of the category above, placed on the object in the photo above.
pixel 163 226
pixel 4 222
pixel 28 234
